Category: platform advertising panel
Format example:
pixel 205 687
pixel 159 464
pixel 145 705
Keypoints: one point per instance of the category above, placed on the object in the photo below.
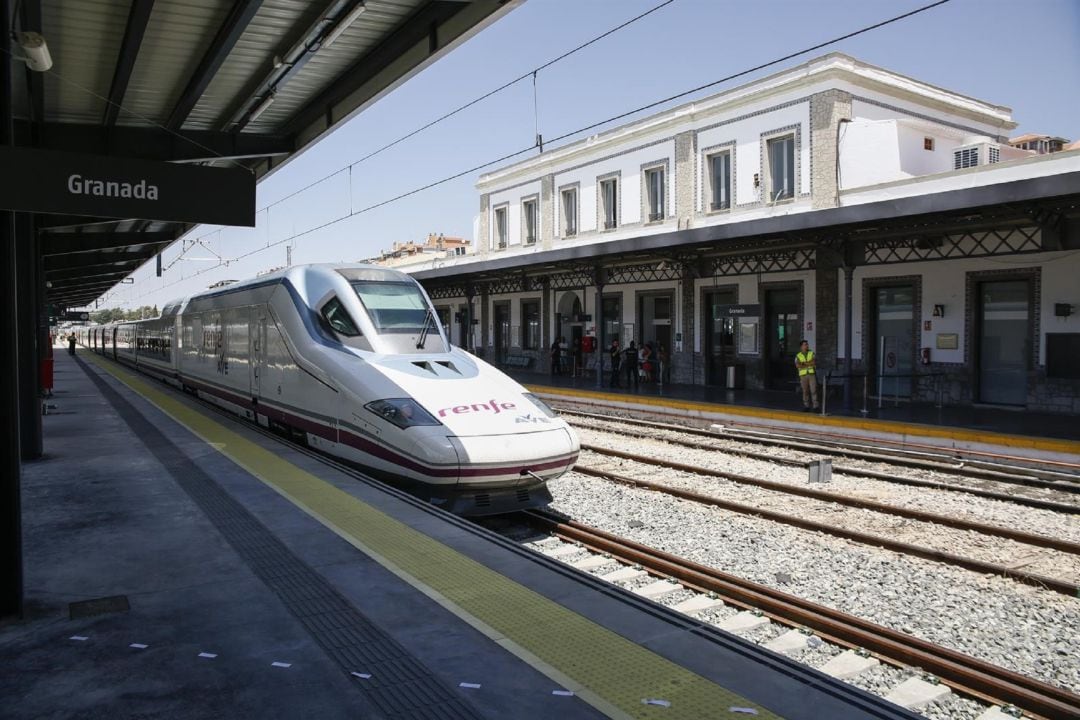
pixel 46 181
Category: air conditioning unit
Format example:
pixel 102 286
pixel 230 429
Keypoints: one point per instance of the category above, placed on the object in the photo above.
pixel 975 154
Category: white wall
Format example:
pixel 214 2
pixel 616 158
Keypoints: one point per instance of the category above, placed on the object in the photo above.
pixel 944 282
pixel 869 153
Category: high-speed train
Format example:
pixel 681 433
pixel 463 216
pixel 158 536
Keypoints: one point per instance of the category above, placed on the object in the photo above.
pixel 353 360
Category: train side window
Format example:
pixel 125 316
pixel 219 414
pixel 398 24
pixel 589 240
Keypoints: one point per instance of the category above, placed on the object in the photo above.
pixel 339 319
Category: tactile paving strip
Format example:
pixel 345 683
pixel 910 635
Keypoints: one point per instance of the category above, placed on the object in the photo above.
pixel 400 686
pixel 606 669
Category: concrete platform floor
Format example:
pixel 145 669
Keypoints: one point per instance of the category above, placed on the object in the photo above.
pixel 282 588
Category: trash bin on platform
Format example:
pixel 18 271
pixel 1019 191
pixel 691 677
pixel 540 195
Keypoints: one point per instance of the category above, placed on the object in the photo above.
pixel 735 377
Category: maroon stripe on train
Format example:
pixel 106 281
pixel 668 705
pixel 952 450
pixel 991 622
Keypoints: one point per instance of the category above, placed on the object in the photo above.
pixel 361 443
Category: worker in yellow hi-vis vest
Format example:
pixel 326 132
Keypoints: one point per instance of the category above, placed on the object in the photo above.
pixel 806 363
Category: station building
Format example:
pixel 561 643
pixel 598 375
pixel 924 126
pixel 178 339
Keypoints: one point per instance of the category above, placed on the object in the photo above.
pixel 888 221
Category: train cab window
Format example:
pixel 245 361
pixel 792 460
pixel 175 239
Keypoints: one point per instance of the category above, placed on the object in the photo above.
pixel 339 319
pixel 394 307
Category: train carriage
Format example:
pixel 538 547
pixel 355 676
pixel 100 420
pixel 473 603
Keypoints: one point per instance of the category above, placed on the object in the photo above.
pixel 353 360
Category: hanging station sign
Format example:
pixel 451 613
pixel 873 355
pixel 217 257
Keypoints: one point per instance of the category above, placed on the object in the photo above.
pixel 47 181
pixel 734 311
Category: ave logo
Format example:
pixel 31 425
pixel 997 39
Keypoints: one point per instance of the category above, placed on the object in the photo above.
pixel 530 418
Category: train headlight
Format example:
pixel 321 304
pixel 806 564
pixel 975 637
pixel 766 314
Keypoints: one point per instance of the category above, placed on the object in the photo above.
pixel 403 412
pixel 543 406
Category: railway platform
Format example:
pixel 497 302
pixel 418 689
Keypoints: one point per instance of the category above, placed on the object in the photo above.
pixel 181 564
pixel 987 429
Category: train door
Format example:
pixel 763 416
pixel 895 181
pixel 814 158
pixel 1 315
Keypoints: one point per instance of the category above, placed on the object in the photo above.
pixel 257 340
pixel 115 331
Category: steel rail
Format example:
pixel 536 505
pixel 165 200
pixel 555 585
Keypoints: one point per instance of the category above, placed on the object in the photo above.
pixel 870 474
pixel 1041 581
pixel 963 672
pixel 1066 481
pixel 1007 533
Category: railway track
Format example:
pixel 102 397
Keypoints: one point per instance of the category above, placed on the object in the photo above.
pixel 967 675
pixel 851 471
pixel 1056 475
pixel 1064 587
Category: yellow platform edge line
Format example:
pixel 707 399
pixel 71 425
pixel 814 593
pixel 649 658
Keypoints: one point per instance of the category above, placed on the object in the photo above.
pixel 892 426
pixel 604 669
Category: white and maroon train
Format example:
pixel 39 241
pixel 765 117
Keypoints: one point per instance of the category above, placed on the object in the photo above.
pixel 353 359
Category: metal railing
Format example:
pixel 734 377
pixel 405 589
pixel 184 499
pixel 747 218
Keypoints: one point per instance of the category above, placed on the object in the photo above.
pixel 881 377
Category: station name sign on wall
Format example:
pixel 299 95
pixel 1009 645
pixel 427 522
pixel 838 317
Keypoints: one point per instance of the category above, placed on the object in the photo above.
pixel 46 181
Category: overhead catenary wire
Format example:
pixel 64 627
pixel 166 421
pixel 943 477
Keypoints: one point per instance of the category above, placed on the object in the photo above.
pixel 564 136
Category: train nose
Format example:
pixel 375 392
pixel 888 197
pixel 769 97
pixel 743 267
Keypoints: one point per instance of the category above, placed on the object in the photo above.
pixel 493 460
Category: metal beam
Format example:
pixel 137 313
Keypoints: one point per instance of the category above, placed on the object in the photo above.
pixel 416 30
pixel 49 223
pixel 154 143
pixel 138 18
pixel 71 243
pixel 79 296
pixel 63 277
pixel 86 260
pixel 235 24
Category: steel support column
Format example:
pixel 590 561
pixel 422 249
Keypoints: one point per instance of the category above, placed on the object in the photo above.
pixel 598 318
pixel 849 272
pixel 11 576
pixel 27 270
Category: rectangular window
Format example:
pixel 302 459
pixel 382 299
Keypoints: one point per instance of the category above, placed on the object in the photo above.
pixel 530 324
pixel 654 186
pixel 500 228
pixel 927 143
pixel 529 210
pixel 720 179
pixel 968 157
pixel 569 213
pixel 609 197
pixel 781 153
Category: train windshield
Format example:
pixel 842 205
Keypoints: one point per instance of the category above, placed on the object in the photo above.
pixel 393 306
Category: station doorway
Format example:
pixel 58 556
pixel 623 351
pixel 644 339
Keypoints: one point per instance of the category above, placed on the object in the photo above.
pixel 655 311
pixel 782 323
pixel 1004 341
pixel 502 332
pixel 570 326
pixel 892 335
pixel 719 336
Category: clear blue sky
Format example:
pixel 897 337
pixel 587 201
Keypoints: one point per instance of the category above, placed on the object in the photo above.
pixel 1024 55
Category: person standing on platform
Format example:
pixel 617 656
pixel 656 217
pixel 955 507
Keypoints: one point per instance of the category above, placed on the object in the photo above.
pixel 71 344
pixel 630 363
pixel 616 360
pixel 556 357
pixel 806 363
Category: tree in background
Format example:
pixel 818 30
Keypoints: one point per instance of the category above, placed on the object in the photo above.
pixel 111 315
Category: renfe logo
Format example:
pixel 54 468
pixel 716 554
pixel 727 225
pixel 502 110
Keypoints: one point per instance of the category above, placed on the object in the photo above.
pixel 489 406
pixel 78 185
